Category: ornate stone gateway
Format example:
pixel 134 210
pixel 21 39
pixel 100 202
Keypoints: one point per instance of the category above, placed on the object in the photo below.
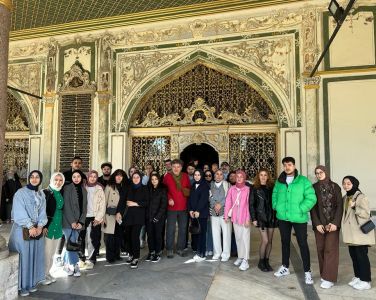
pixel 206 106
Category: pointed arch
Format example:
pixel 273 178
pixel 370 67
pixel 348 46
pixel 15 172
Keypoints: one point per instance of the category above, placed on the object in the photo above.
pixel 257 81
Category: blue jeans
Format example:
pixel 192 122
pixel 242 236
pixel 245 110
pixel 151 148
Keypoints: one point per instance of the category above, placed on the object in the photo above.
pixel 71 257
pixel 209 237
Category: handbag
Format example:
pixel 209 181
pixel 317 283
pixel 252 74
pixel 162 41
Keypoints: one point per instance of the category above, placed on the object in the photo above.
pixel 367 226
pixel 111 211
pixel 26 235
pixel 73 246
pixel 194 227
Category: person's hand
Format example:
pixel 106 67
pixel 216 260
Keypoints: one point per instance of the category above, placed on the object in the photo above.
pixel 320 228
pixel 196 214
pixel 191 213
pixel 39 230
pixel 131 203
pixel 155 220
pixel 352 204
pixel 118 217
pixel 33 232
pixel 78 226
pixel 332 227
pixel 171 202
pixel 247 223
pixel 95 222
pixel 254 223
pixel 45 231
pixel 217 207
pixel 74 225
pixel 227 220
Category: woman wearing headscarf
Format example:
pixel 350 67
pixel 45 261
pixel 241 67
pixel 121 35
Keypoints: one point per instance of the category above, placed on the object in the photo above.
pixel 356 212
pixel 263 216
pixel 209 175
pixel 26 238
pixel 53 230
pixel 115 195
pixel 137 201
pixel 237 208
pixel 96 207
pixel 74 215
pixel 326 218
pixel 198 207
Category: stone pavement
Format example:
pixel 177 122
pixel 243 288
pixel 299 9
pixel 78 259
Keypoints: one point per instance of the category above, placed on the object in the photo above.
pixel 180 278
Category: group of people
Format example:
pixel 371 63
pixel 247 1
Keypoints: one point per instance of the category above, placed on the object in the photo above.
pixel 215 205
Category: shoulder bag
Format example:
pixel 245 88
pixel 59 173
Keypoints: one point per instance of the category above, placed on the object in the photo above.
pixel 367 226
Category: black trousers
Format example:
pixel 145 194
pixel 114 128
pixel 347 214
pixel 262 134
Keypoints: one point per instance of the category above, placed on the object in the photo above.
pixel 199 240
pixel 361 264
pixel 301 236
pixel 132 244
pixel 154 231
pixel 95 237
pixel 113 242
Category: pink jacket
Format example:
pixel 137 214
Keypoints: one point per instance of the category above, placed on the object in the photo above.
pixel 240 211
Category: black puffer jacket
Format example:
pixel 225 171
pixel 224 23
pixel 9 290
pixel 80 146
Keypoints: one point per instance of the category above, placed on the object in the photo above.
pixel 260 205
pixel 157 203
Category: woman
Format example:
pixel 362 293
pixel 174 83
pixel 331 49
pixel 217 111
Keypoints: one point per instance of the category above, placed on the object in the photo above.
pixel 263 216
pixel 96 208
pixel 29 215
pixel 53 230
pixel 326 218
pixel 155 217
pixel 137 200
pixel 115 194
pixel 231 178
pixel 74 215
pixel 237 208
pixel 356 213
pixel 221 230
pixel 198 207
pixel 209 235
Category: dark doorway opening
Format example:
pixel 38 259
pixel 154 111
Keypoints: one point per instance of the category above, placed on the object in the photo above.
pixel 204 153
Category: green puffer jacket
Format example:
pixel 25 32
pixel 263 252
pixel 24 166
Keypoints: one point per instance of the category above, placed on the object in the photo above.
pixel 293 202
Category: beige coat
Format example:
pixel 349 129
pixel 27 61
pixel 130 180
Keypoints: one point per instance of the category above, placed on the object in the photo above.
pixel 112 199
pixel 99 204
pixel 351 232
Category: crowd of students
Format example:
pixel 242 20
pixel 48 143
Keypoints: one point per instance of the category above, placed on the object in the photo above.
pixel 216 205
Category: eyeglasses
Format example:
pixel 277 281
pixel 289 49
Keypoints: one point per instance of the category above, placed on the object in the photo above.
pixel 319 173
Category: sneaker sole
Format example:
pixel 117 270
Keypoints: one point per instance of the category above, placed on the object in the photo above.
pixel 134 267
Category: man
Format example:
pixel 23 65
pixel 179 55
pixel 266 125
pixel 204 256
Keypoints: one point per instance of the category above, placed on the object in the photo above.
pixel 106 173
pixel 148 170
pixel 293 198
pixel 178 188
pixel 76 164
pixel 214 167
pixel 225 167
pixel 190 171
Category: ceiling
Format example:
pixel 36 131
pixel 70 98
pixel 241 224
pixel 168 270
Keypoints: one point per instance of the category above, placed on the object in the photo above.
pixel 28 14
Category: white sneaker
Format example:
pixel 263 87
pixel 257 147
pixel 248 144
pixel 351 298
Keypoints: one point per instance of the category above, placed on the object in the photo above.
pixel 89 265
pixel 308 277
pixel 69 270
pixel 215 257
pixel 282 271
pixel 77 272
pixel 238 262
pixel 51 278
pixel 224 259
pixel 244 265
pixel 47 281
pixel 326 284
pixel 58 261
pixel 362 285
pixel 82 264
pixel 200 259
pixel 354 281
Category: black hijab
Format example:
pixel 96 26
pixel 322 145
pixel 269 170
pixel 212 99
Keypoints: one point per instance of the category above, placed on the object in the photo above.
pixel 355 183
pixel 34 187
pixel 78 187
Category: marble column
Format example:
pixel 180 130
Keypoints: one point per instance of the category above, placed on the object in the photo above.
pixel 5 13
pixel 103 128
pixel 311 86
pixel 49 100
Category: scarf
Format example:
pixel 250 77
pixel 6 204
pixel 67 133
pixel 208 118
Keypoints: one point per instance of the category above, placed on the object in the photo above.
pixel 52 181
pixel 177 180
pixel 241 185
pixel 326 193
pixel 34 187
pixel 355 183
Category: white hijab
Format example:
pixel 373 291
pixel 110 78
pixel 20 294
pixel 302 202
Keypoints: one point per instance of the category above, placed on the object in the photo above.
pixel 52 181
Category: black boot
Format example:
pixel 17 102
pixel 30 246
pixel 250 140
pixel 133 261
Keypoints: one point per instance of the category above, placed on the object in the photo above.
pixel 267 265
pixel 261 265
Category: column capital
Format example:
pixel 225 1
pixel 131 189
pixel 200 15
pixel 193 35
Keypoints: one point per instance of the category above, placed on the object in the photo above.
pixel 7 3
pixel 311 83
pixel 104 97
pixel 49 98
